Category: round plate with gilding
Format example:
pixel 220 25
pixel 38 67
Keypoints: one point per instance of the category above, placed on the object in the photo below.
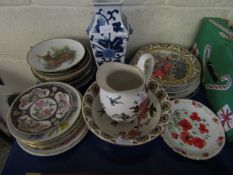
pixel 55 55
pixel 194 131
pixel 140 131
pixel 41 108
pixel 66 143
pixel 174 66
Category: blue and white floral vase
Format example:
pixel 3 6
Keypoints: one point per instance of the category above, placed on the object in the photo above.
pixel 109 32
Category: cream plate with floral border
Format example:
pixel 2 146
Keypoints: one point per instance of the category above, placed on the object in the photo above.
pixel 140 131
pixel 194 131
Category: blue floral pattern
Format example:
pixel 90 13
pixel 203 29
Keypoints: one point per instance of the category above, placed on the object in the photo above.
pixel 109 44
pixel 108 50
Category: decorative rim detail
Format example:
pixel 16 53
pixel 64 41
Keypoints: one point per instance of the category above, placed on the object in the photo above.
pixel 192 62
pixel 131 141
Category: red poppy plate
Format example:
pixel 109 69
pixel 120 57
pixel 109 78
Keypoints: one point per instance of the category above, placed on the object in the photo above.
pixel 194 131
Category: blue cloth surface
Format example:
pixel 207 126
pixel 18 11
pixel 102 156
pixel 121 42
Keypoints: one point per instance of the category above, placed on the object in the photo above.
pixel 95 155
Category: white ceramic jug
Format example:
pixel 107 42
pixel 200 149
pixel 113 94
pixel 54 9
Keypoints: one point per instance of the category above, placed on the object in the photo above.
pixel 123 88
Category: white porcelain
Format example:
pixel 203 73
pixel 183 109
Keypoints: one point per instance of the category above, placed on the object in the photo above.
pixel 137 132
pixel 55 55
pixel 123 88
pixel 109 32
pixel 194 131
pixel 61 148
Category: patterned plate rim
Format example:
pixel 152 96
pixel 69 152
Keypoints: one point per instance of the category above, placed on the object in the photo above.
pixel 195 72
pixel 93 91
pixel 60 84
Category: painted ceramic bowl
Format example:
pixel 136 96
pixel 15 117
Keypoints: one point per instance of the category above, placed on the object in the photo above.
pixel 55 55
pixel 41 108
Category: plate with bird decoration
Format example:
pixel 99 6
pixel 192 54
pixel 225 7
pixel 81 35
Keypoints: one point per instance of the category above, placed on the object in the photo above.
pixel 139 131
pixel 55 55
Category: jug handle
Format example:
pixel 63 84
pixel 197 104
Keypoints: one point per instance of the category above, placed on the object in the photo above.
pixel 146 64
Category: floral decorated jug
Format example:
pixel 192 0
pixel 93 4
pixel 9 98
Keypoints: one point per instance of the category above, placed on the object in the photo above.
pixel 108 32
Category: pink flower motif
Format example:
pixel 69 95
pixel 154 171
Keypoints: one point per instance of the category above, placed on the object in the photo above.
pixel 40 104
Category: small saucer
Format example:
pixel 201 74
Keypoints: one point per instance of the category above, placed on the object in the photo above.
pixel 194 131
pixel 137 132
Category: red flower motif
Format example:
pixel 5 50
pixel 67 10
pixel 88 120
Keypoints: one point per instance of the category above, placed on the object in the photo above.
pixel 133 133
pixel 184 123
pixel 186 138
pixel 198 142
pixel 143 108
pixel 202 128
pixel 195 116
pixel 174 135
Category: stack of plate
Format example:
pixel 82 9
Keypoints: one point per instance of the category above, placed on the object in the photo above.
pixel 46 119
pixel 176 69
pixel 62 60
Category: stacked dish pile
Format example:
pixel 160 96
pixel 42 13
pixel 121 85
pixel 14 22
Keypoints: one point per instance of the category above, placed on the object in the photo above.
pixel 46 119
pixel 176 69
pixel 62 60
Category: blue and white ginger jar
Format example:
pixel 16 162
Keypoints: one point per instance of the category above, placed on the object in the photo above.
pixel 109 32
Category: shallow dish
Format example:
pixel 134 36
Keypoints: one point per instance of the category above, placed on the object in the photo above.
pixel 55 55
pixel 194 131
pixel 140 131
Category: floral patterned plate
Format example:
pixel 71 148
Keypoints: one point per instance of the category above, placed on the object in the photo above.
pixel 55 55
pixel 194 131
pixel 56 131
pixel 174 66
pixel 140 131
pixel 41 108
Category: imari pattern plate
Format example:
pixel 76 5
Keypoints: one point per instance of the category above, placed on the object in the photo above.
pixel 174 66
pixel 41 108
pixel 194 131
pixel 140 131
